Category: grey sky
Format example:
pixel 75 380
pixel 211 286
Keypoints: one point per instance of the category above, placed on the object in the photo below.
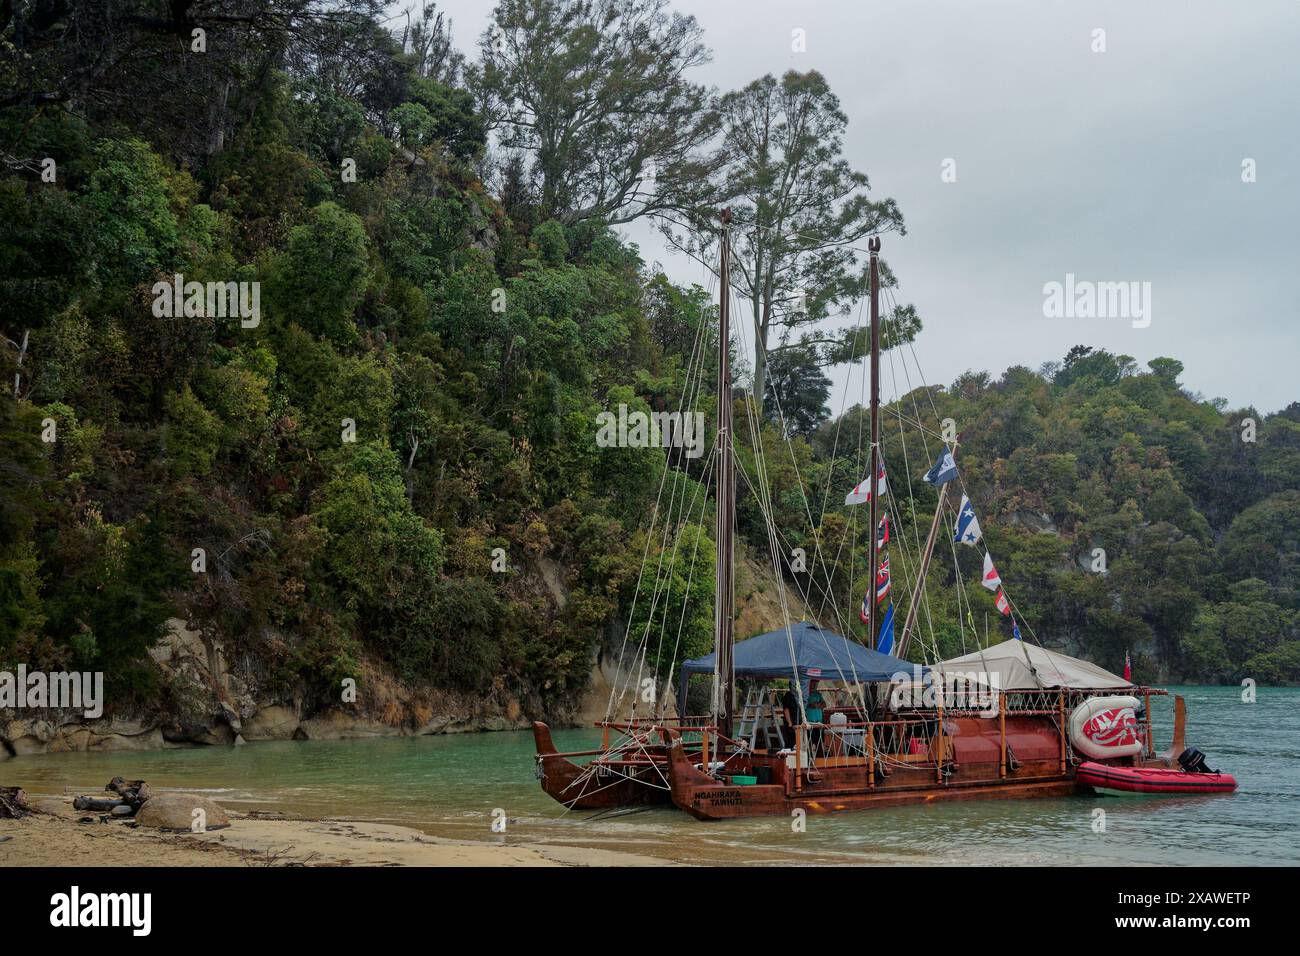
pixel 1123 165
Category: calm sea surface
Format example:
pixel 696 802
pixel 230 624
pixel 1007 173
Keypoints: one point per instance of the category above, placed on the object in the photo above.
pixel 449 785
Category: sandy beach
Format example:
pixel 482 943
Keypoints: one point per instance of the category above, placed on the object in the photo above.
pixel 54 837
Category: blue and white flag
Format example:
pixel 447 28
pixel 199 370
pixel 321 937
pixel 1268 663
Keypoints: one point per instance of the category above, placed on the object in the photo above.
pixel 1015 630
pixel 886 643
pixel 968 526
pixel 944 470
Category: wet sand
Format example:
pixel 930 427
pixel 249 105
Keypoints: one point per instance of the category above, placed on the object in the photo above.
pixel 53 837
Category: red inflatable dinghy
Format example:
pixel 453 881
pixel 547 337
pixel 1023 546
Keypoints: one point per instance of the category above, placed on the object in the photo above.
pixel 1152 779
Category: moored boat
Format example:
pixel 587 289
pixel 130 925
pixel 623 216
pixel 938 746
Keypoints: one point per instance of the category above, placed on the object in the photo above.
pixel 1152 779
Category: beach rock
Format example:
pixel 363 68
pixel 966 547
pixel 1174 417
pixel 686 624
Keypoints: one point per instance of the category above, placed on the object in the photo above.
pixel 175 811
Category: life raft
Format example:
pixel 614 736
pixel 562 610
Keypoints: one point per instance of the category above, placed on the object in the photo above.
pixel 1152 779
pixel 1106 727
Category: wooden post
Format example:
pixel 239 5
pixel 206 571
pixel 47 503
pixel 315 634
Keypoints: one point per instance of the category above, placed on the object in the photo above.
pixel 1061 721
pixel 1002 733
pixel 798 758
pixel 1146 697
pixel 938 754
pixel 871 754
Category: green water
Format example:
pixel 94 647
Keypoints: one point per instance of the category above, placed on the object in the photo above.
pixel 449 786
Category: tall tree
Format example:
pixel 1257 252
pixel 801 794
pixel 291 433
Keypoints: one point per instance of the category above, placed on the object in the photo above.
pixel 797 389
pixel 595 94
pixel 801 212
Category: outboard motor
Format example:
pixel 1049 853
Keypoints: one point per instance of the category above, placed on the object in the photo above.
pixel 1193 761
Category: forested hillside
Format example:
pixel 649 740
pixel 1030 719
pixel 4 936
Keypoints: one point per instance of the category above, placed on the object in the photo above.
pixel 444 307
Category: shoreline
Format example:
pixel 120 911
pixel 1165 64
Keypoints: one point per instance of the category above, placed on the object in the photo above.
pixel 52 837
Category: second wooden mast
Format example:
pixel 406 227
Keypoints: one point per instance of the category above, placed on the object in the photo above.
pixel 873 472
pixel 724 624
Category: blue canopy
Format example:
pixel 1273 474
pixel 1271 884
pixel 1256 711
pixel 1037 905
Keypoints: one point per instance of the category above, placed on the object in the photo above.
pixel 818 653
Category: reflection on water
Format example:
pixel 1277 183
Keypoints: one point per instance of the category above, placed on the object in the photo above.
pixel 449 785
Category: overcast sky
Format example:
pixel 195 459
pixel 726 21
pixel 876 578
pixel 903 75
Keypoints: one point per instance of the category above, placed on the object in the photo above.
pixel 1117 166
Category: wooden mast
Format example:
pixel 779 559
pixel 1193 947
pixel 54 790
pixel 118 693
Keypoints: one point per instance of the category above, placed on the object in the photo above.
pixel 724 630
pixel 873 246
pixel 901 649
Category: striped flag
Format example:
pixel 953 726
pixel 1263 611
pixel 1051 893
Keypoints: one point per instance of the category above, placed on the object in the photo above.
pixel 882 533
pixel 1003 604
pixel 882 579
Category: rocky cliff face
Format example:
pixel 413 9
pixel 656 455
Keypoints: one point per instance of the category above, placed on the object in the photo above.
pixel 226 705
pixel 225 701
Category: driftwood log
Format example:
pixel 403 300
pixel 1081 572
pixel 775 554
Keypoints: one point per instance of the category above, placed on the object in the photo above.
pixel 131 795
pixel 13 803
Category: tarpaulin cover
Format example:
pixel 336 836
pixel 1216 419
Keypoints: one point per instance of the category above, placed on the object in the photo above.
pixel 818 653
pixel 1021 666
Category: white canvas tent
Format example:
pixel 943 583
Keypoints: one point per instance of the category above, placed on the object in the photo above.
pixel 1021 666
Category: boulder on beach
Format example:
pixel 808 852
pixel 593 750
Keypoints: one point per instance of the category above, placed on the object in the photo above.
pixel 176 811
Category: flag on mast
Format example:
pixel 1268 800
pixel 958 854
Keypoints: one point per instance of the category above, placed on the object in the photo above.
pixel 992 580
pixel 886 642
pixel 882 533
pixel 968 526
pixel 882 580
pixel 1003 604
pixel 861 492
pixel 1128 667
pixel 943 471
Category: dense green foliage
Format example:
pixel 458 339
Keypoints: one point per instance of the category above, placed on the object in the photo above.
pixel 329 486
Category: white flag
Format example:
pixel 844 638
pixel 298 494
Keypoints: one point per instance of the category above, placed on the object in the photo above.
pixel 991 577
pixel 861 492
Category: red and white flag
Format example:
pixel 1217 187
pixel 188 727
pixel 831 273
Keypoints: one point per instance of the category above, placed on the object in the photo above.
pixel 1128 667
pixel 882 580
pixel 1003 604
pixel 992 580
pixel 861 492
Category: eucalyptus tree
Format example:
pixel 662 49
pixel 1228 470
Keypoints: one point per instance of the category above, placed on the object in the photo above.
pixel 594 95
pixel 802 215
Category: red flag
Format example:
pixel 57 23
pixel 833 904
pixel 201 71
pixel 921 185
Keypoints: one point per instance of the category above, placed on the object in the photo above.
pixel 1003 604
pixel 1128 667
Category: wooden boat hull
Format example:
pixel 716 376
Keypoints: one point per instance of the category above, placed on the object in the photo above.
pixel 569 783
pixel 845 788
